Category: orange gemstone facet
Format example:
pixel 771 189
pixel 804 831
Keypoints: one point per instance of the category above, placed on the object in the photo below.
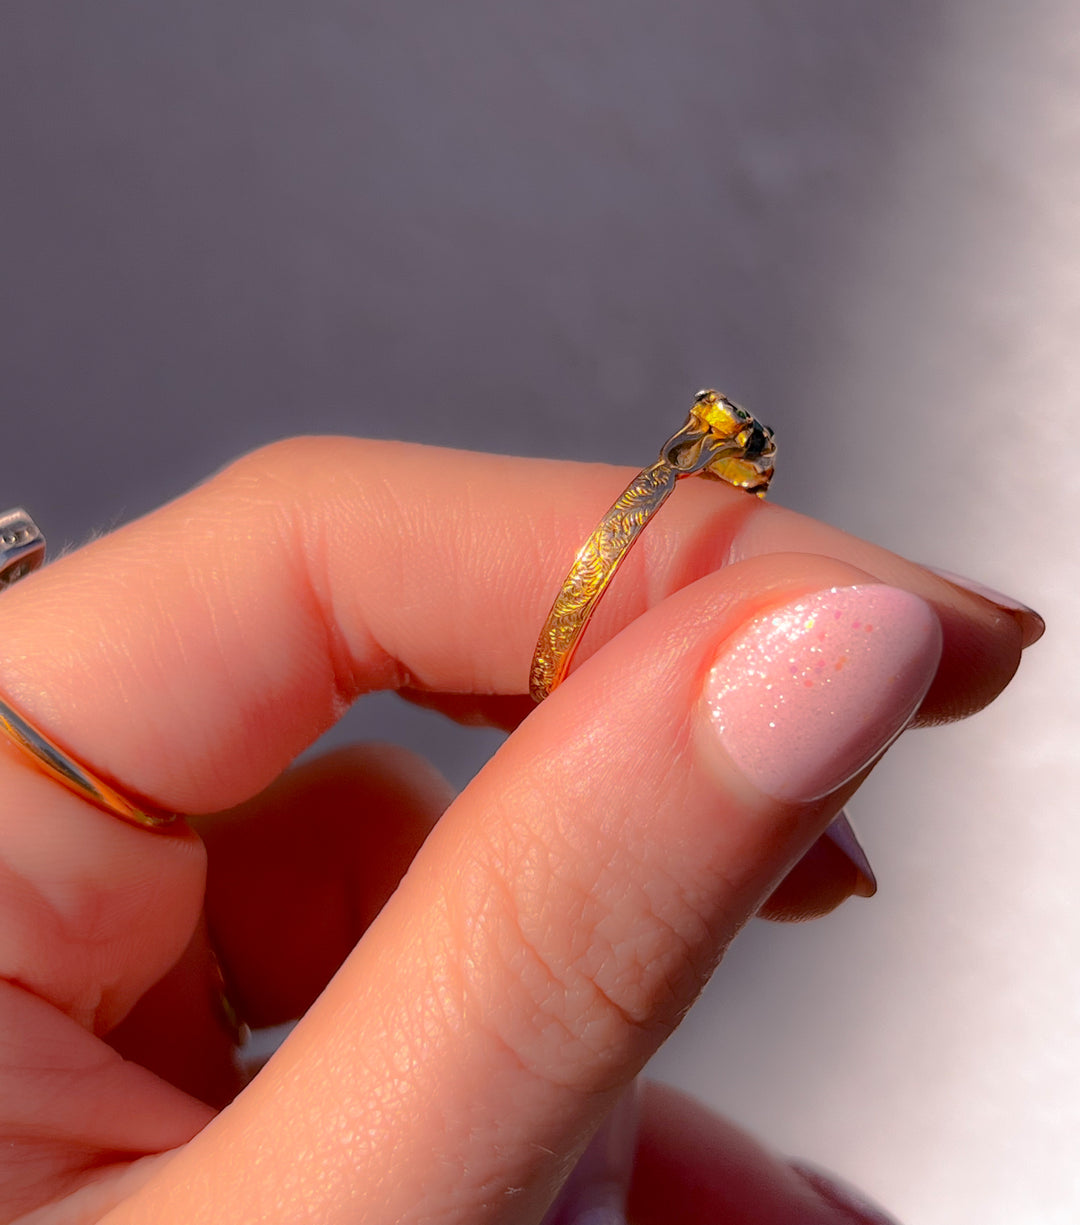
pixel 750 464
pixel 720 414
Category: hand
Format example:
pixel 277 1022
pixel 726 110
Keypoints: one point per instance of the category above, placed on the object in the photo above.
pixel 553 927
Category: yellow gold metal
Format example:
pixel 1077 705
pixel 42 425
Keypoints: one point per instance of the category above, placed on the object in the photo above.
pixel 720 440
pixel 22 549
pixel 52 759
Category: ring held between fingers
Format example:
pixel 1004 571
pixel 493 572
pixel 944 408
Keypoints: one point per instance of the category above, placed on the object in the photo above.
pixel 563 914
pixel 182 657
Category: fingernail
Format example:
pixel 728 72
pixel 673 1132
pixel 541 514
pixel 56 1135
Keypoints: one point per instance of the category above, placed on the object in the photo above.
pixel 842 835
pixel 805 696
pixel 238 1030
pixel 1029 620
pixel 595 1193
pixel 855 1206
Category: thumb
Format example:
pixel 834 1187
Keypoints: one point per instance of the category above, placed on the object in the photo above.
pixel 568 908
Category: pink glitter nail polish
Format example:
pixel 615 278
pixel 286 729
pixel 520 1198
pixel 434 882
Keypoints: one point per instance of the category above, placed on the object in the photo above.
pixel 806 695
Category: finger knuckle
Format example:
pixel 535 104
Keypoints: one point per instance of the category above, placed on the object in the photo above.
pixel 574 971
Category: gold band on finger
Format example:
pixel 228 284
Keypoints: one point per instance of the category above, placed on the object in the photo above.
pixel 719 440
pixel 52 760
pixel 22 549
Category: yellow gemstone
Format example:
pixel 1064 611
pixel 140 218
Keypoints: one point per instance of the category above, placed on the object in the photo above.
pixel 736 428
pixel 742 473
pixel 720 414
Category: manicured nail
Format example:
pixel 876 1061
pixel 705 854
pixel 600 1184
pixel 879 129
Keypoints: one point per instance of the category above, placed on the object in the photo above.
pixel 595 1193
pixel 805 696
pixel 843 836
pixel 1030 622
pixel 839 1194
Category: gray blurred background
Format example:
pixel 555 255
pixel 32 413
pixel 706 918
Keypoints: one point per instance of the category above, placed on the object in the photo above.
pixel 540 229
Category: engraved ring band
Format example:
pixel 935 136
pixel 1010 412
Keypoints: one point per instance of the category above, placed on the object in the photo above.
pixel 719 440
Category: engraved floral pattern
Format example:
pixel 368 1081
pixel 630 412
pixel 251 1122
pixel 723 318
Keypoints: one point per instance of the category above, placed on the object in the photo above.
pixel 701 446
pixel 594 567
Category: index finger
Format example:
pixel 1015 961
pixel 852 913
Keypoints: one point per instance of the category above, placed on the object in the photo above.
pixel 192 654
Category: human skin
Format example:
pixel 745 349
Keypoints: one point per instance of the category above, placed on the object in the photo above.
pixel 555 923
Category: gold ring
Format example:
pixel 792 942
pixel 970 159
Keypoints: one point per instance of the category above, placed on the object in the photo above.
pixel 22 549
pixel 719 440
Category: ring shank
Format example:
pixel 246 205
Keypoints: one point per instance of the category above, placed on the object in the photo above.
pixel 51 759
pixel 594 567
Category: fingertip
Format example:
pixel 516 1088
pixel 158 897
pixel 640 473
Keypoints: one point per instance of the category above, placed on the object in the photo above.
pixel 1032 626
pixel 822 880
pixel 981 642
pixel 841 834
pixel 693 1166
pixel 838 1193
